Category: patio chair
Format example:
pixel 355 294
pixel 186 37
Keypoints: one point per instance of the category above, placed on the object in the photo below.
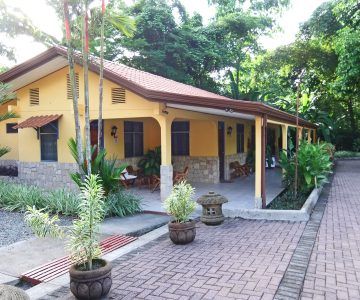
pixel 127 179
pixel 156 183
pixel 181 176
pixel 238 169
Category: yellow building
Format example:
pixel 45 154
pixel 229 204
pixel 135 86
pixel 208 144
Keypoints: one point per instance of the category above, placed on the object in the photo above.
pixel 141 111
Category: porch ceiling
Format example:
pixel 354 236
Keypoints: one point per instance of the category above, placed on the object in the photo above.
pixel 213 111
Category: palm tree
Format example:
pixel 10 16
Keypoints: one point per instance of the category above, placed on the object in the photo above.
pixel 126 26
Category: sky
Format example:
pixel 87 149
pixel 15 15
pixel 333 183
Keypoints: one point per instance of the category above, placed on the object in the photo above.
pixel 45 18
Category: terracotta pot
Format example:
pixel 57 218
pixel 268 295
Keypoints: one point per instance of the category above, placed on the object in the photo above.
pixel 182 233
pixel 92 284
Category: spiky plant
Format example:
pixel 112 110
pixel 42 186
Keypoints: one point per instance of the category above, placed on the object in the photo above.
pixel 83 244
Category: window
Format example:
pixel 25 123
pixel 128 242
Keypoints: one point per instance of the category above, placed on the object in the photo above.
pixel 34 96
pixel 68 86
pixel 134 139
pixel 10 129
pixel 48 141
pixel 118 95
pixel 180 138
pixel 240 138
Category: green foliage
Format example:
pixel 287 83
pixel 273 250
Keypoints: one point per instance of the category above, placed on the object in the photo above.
pixel 180 203
pixel 314 166
pixel 19 197
pixel 42 224
pixel 151 162
pixel 83 244
pixel 121 203
pixel 106 168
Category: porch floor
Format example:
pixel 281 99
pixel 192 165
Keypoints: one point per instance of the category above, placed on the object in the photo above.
pixel 240 192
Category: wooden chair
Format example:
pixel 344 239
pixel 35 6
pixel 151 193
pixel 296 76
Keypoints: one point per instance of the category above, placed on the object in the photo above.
pixel 239 170
pixel 181 176
pixel 156 183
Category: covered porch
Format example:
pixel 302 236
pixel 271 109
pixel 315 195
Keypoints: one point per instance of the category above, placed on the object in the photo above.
pixel 240 192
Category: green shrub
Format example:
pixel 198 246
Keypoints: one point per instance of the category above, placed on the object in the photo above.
pixel 356 145
pixel 105 168
pixel 314 166
pixel 180 204
pixel 346 154
pixel 151 162
pixel 122 203
pixel 17 197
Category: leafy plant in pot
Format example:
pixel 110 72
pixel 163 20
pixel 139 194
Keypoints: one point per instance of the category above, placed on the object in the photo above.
pixel 90 276
pixel 180 206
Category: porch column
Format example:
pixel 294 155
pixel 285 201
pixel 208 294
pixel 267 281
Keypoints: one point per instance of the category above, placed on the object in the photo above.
pixel 284 131
pixel 309 135
pixel 300 134
pixel 260 132
pixel 315 137
pixel 166 168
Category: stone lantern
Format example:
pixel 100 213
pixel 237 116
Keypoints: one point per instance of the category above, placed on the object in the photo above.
pixel 212 208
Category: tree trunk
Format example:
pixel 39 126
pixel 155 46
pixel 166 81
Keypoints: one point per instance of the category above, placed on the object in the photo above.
pixel 75 99
pixel 101 81
pixel 86 86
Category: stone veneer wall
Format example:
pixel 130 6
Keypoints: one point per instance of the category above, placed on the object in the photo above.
pixel 201 169
pixel 241 157
pixel 49 175
pixel 8 162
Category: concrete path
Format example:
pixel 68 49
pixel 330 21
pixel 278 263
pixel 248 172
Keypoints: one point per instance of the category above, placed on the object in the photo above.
pixel 25 255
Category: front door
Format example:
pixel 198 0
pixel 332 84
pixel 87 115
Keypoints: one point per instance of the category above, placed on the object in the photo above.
pixel 94 135
pixel 221 143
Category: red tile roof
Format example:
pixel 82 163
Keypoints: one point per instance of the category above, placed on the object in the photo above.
pixel 37 121
pixel 157 88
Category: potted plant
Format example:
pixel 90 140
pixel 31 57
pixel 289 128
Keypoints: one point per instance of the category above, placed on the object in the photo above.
pixel 90 276
pixel 180 205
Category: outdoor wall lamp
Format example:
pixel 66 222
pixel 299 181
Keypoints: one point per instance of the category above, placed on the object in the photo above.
pixel 113 131
pixel 229 130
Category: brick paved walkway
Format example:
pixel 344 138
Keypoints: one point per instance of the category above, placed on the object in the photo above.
pixel 244 259
pixel 334 268
pixel 241 259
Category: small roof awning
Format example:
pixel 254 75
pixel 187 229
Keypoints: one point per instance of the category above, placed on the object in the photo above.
pixel 37 122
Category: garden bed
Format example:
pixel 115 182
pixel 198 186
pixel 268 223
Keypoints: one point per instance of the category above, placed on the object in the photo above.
pixel 302 214
pixel 286 200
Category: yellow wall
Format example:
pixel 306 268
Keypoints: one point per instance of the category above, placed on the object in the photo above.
pixel 53 100
pixel 203 138
pixel 117 148
pixel 9 139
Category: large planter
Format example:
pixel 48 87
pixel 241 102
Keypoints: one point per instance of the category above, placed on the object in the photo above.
pixel 92 284
pixel 182 233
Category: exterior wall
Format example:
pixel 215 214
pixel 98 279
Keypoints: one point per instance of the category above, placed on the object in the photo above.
pixel 117 148
pixel 203 138
pixel 9 139
pixel 201 169
pixel 241 157
pixel 49 175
